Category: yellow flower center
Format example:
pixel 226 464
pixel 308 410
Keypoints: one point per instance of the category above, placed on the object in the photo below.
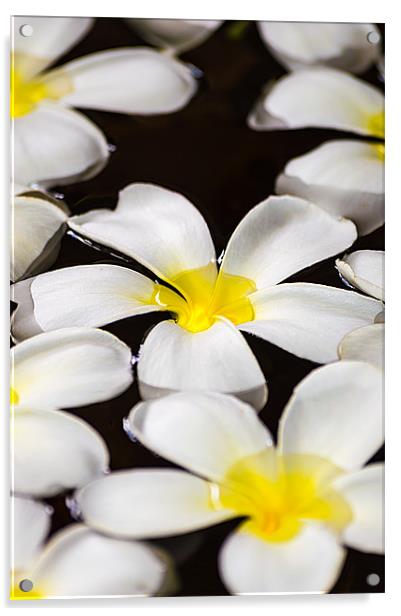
pixel 376 124
pixel 14 397
pixel 17 594
pixel 279 493
pixel 205 298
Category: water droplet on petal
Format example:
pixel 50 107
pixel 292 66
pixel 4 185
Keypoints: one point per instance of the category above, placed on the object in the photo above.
pixel 111 147
pixel 73 507
pixel 128 430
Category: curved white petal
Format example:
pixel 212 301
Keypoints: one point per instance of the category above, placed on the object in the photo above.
pixel 341 45
pixel 158 227
pixel 308 563
pixel 216 359
pixel 80 563
pixel 53 452
pixel 35 226
pixel 321 98
pixel 70 367
pixel 51 38
pixel 364 269
pixel 137 80
pixel 31 523
pixel 176 34
pixel 336 413
pixel 53 145
pixel 148 503
pixel 364 492
pixel 364 344
pixel 204 432
pixel 309 320
pixel 281 236
pixel 344 177
pixel 84 295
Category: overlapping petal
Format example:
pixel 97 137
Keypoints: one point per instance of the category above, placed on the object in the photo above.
pixel 364 269
pixel 69 367
pixel 322 98
pixel 216 359
pixel 176 34
pixel 31 523
pixel 206 432
pixel 344 177
pixel 364 344
pixel 309 320
pixel 297 45
pixel 148 503
pixel 281 236
pixel 336 412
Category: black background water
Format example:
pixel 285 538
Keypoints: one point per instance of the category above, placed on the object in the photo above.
pixel 207 152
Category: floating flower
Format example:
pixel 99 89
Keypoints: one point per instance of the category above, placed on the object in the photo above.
pixel 54 144
pixel 201 348
pixel 298 45
pixel 346 178
pixel 364 269
pixel 38 222
pixel 52 450
pixel 302 501
pixel 176 35
pixel 77 562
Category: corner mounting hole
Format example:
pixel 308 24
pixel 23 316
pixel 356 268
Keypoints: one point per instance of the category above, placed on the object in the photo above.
pixel 26 30
pixel 26 585
pixel 373 37
pixel 373 579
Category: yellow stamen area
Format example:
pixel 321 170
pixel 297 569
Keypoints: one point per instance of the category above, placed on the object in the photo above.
pixel 205 297
pixel 27 93
pixel 379 150
pixel 376 124
pixel 279 493
pixel 14 397
pixel 17 594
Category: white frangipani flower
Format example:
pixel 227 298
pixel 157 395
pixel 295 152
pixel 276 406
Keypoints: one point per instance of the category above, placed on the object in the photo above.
pixel 52 450
pixel 303 500
pixel 54 144
pixel 177 35
pixel 77 562
pixel 201 348
pixel 364 270
pixel 298 45
pixel 38 223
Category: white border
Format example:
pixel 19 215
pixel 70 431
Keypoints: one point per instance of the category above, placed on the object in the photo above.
pixel 306 10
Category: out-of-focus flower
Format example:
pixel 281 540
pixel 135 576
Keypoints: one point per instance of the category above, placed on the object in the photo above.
pixel 38 222
pixel 53 451
pixel 54 144
pixel 298 45
pixel 77 562
pixel 177 35
pixel 201 348
pixel 364 270
pixel 302 500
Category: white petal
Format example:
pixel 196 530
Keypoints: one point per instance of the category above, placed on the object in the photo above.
pixel 37 226
pixel 85 295
pixel 70 367
pixel 364 492
pixel 176 34
pixel 53 145
pixel 216 359
pixel 309 563
pixel 346 178
pixel 206 433
pixel 309 320
pixel 158 227
pixel 364 344
pixel 281 236
pixel 364 269
pixel 137 80
pixel 53 452
pixel 297 45
pixel 322 98
pixel 336 413
pixel 52 37
pixel 31 523
pixel 148 503
pixel 78 562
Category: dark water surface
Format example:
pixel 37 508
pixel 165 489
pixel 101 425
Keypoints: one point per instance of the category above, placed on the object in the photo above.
pixel 207 153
